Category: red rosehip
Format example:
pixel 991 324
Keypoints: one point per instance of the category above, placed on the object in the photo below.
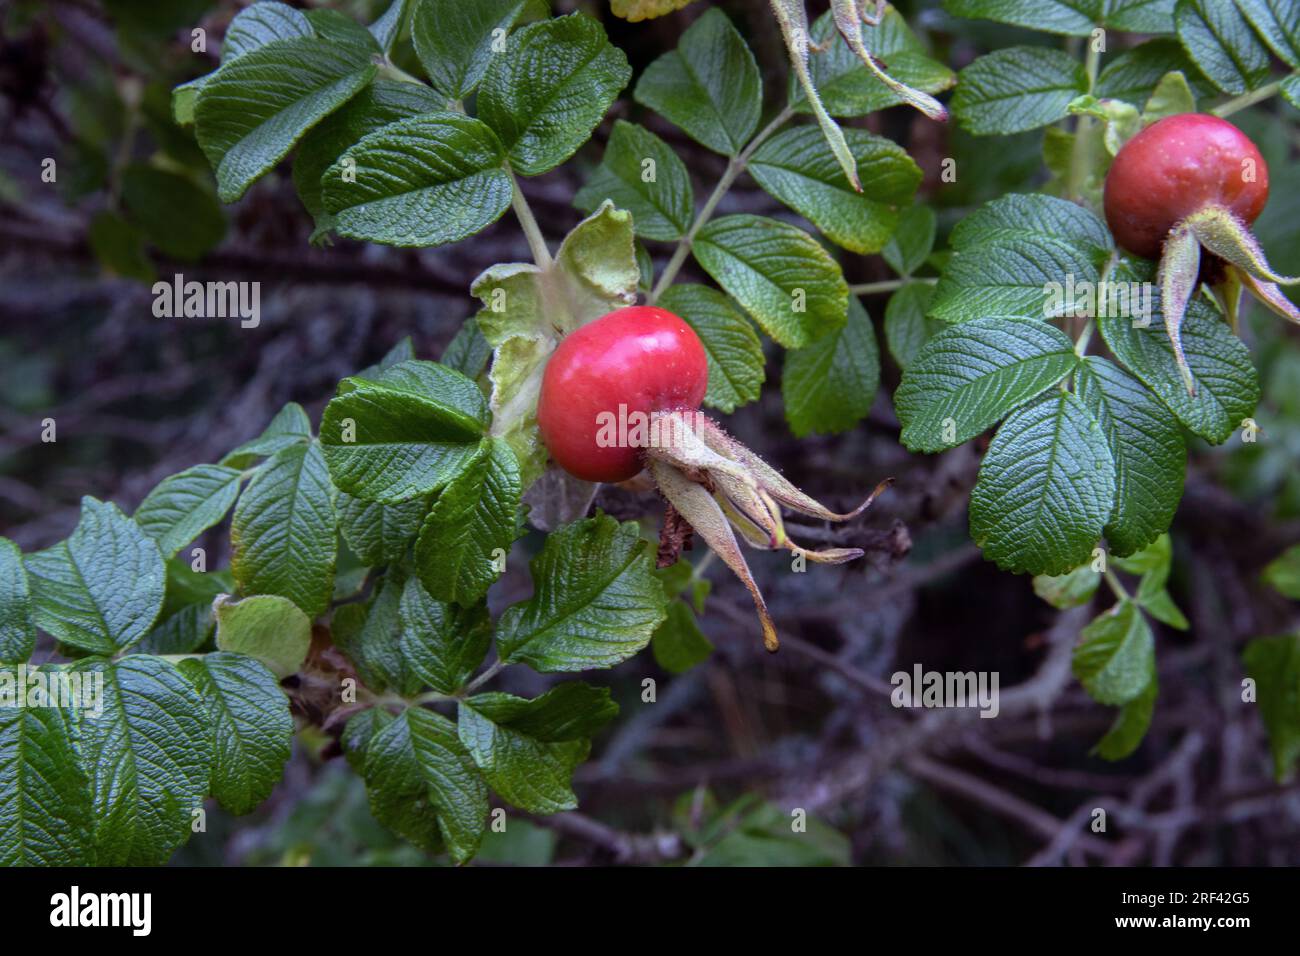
pixel 643 358
pixel 1176 167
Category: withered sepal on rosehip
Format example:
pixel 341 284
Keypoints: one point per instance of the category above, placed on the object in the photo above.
pixel 622 394
pixel 1189 184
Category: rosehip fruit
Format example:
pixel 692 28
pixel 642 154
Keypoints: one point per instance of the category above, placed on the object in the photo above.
pixel 642 358
pixel 1176 167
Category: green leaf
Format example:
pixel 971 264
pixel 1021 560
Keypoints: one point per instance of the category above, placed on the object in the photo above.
pixel 290 426
pixel 252 111
pixel 1161 606
pixel 798 168
pixel 678 643
pixel 1278 23
pixel 186 504
pixel 1227 385
pixel 388 27
pixel 733 349
pixel 1283 573
pixel 830 385
pixel 360 729
pixel 1131 723
pixel 550 89
pixel 261 23
pixel 1013 257
pixel 569 711
pixel 969 376
pixel 1035 217
pixel 1274 664
pixel 1011 278
pixel 453 40
pixel 595 600
pixel 407 433
pixel 249 726
pixel 912 241
pixel 1115 655
pixel 847 88
pixel 380 103
pixel 907 329
pixel 178 216
pixel 17 634
pixel 373 640
pixel 149 757
pixel 416 769
pixel 379 534
pixel 267 627
pixel 528 749
pixel 1219 39
pixel 1141 16
pixel 1017 89
pixel 1133 74
pixel 424 181
pixel 778 273
pixel 1147 446
pixel 1072 589
pixel 709 86
pixel 468 352
pixel 475 516
pixel 1045 490
pixel 45 812
pixel 641 173
pixel 102 588
pixel 119 247
pixel 186 622
pixel 1068 17
pixel 527 310
pixel 283 535
pixel 440 643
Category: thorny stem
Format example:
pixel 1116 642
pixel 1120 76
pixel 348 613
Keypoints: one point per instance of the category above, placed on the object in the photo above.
pixel 1248 99
pixel 889 285
pixel 1081 155
pixel 533 232
pixel 729 177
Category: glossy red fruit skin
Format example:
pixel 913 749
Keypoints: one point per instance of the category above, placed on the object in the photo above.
pixel 643 357
pixel 1175 167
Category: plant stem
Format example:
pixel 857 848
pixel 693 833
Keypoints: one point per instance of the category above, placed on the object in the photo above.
pixel 1081 156
pixel 487 675
pixel 1248 99
pixel 889 285
pixel 394 72
pixel 1116 585
pixel 729 177
pixel 533 232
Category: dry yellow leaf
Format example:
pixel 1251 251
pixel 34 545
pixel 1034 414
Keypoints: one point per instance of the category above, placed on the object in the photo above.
pixel 636 10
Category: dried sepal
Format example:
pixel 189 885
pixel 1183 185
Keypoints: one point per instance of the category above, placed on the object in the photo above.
pixel 719 486
pixel 793 20
pixel 1227 237
pixel 1180 267
pixel 849 16
pixel 698 507
pixel 1272 296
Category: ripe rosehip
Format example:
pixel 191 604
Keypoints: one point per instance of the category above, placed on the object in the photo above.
pixel 1176 167
pixel 642 358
